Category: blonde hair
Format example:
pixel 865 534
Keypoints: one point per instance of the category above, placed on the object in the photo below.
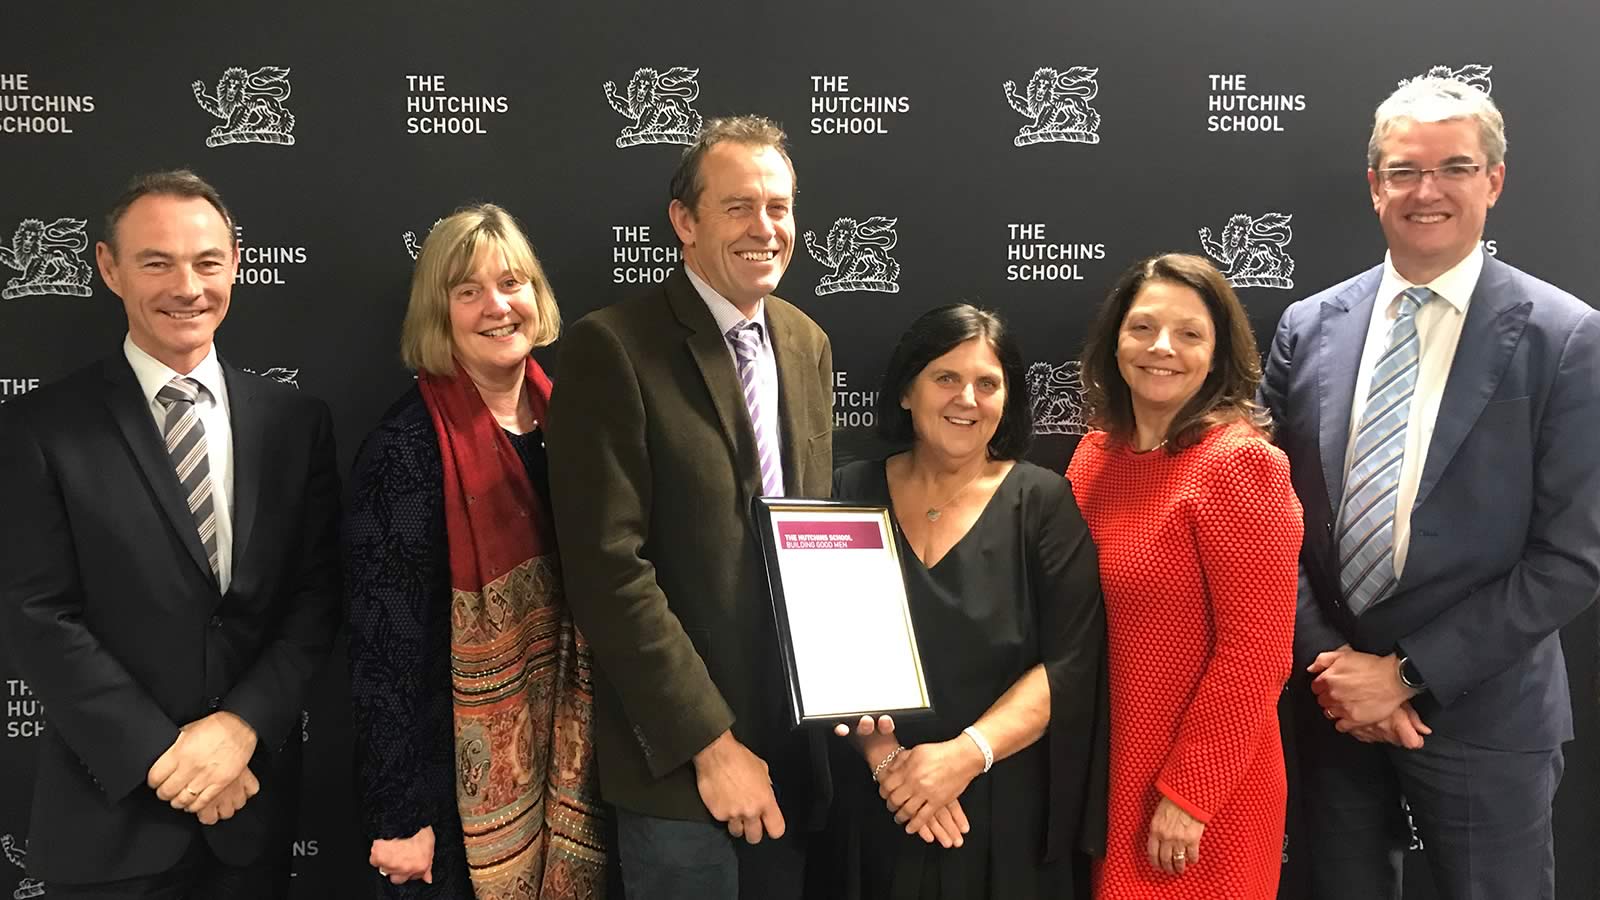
pixel 447 259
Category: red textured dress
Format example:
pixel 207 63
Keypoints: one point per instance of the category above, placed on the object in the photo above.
pixel 1198 563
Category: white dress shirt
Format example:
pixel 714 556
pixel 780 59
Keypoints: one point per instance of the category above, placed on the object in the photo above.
pixel 212 407
pixel 1438 332
pixel 727 316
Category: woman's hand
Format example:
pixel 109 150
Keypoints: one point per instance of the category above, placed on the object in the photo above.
pixel 404 859
pixel 1174 842
pixel 884 725
pixel 927 778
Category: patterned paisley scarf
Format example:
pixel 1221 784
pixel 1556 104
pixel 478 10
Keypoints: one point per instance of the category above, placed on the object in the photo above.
pixel 520 673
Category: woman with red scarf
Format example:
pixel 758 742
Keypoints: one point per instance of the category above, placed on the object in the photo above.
pixel 470 685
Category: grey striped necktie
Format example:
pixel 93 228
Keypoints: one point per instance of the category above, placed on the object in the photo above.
pixel 1366 527
pixel 186 447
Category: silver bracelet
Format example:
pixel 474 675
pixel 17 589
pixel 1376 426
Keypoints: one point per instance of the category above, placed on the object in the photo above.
pixel 972 731
pixel 878 769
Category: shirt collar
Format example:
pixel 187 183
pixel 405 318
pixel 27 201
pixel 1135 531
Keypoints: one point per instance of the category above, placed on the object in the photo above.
pixel 727 315
pixel 154 374
pixel 1455 284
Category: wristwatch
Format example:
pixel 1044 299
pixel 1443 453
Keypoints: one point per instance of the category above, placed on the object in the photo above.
pixel 1409 676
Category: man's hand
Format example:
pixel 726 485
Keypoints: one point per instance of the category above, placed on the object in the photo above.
pixel 1403 728
pixel 1358 688
pixel 231 799
pixel 736 789
pixel 927 778
pixel 209 755
pixel 1174 841
pixel 404 859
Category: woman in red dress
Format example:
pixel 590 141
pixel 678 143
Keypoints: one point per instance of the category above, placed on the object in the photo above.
pixel 1198 530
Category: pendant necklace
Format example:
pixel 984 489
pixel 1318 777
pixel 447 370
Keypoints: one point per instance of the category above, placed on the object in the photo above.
pixel 937 510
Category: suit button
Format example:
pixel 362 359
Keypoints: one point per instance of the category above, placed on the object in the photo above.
pixel 216 621
pixel 214 704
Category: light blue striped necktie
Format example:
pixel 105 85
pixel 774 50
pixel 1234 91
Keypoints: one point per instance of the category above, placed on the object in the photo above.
pixel 1366 522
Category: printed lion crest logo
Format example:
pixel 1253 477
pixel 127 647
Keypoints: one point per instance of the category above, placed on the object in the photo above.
pixel 1058 103
pixel 1057 393
pixel 1253 250
pixel 28 888
pixel 858 253
pixel 1474 74
pixel 250 105
pixel 47 257
pixel 659 103
pixel 414 246
pixel 291 377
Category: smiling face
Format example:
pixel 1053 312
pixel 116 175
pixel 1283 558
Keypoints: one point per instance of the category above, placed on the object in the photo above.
pixel 1435 224
pixel 957 400
pixel 494 320
pixel 740 236
pixel 1164 349
pixel 173 268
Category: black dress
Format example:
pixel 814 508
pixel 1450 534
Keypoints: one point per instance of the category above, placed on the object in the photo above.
pixel 1020 588
pixel 397 579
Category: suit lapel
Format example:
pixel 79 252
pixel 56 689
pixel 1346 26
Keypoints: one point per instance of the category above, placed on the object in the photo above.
pixel 709 349
pixel 1345 320
pixel 132 414
pixel 1495 320
pixel 792 395
pixel 248 422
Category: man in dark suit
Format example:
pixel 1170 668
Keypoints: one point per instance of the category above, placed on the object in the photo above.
pixel 1440 413
pixel 168 578
pixel 670 413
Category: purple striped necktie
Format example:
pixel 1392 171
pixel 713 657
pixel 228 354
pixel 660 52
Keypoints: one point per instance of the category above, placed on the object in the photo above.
pixel 186 446
pixel 746 340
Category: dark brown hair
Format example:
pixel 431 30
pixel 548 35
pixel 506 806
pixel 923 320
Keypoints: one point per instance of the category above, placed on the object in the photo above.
pixel 752 131
pixel 935 333
pixel 1228 393
pixel 175 183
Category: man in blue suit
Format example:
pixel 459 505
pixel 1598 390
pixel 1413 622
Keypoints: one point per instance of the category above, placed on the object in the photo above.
pixel 1440 412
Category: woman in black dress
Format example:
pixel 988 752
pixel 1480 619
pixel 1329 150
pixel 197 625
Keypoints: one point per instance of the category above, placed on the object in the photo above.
pixel 469 683
pixel 1001 793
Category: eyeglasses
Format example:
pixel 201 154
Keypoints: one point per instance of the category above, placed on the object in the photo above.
pixel 1404 179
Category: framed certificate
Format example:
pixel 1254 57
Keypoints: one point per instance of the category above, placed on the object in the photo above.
pixel 839 599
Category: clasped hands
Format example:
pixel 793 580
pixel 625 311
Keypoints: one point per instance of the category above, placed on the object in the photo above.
pixel 922 784
pixel 206 771
pixel 1364 697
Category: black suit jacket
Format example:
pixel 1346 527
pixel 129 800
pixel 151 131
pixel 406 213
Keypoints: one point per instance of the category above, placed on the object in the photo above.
pixel 113 616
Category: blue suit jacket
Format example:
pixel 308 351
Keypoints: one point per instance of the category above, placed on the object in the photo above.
pixel 1505 533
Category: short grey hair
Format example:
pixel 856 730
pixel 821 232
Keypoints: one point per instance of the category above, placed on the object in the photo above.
pixel 1436 99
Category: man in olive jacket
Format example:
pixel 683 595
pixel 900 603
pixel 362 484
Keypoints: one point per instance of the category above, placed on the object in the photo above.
pixel 670 413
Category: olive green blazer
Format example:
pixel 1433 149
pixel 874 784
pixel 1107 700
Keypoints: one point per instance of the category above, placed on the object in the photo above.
pixel 652 470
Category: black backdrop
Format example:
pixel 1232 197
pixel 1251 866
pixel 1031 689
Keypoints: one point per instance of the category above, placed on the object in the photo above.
pixel 896 110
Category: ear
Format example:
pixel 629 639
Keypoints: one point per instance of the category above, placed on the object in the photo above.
pixel 106 259
pixel 683 221
pixel 1375 188
pixel 1497 182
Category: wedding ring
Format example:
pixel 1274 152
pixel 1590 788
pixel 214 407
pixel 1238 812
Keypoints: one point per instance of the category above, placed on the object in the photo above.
pixel 191 792
pixel 384 872
pixel 1180 856
pixel 1328 714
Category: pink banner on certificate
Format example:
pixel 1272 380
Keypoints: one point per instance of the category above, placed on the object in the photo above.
pixel 830 535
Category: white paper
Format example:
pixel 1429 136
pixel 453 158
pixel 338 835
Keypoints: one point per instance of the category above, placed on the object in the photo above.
pixel 848 621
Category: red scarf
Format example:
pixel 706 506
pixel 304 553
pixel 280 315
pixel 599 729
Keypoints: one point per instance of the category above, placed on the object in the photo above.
pixel 520 673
